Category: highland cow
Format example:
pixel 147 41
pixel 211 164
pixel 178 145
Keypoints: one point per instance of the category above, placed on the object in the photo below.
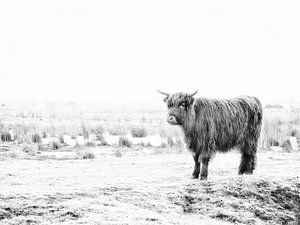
pixel 211 125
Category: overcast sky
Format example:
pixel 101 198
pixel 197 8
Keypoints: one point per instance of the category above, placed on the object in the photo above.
pixel 125 50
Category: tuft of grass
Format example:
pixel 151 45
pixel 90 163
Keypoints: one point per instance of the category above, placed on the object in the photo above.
pixel 272 142
pixel 88 155
pixel 55 145
pixel 84 130
pixel 104 142
pixel 158 151
pixel 100 137
pixel 294 132
pixel 118 152
pixel 149 145
pixel 179 143
pixel 46 157
pixel 99 130
pixel 124 142
pixel 61 139
pixel 170 142
pixel 30 149
pixel 11 155
pixel 42 147
pixel 163 145
pixel 286 146
pixel 6 137
pixel 36 138
pixel 117 130
pixel 90 144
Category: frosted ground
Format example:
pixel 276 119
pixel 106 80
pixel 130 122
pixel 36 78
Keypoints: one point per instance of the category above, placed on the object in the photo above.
pixel 149 189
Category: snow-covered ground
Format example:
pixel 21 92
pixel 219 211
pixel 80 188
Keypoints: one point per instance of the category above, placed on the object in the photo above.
pixel 149 189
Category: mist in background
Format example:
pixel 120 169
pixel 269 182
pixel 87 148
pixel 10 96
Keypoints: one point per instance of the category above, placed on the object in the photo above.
pixel 122 51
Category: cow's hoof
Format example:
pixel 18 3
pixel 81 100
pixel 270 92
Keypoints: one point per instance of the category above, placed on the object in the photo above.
pixel 249 172
pixel 203 178
pixel 194 176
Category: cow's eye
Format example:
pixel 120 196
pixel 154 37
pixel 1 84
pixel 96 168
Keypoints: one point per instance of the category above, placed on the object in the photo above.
pixel 182 106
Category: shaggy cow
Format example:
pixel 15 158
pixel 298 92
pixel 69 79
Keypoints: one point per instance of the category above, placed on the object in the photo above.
pixel 212 125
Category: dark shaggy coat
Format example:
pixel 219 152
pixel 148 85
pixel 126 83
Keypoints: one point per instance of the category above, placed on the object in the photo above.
pixel 212 125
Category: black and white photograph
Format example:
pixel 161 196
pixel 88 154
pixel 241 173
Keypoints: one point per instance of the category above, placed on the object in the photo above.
pixel 149 112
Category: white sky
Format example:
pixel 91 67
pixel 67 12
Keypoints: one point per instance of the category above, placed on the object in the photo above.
pixel 125 50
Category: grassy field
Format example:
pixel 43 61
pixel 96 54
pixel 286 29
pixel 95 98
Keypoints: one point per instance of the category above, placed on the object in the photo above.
pixel 127 183
pixel 57 119
pixel 149 189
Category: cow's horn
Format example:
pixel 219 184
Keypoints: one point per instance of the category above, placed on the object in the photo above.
pixel 194 93
pixel 163 93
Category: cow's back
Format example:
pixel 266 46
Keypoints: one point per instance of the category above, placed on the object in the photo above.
pixel 225 122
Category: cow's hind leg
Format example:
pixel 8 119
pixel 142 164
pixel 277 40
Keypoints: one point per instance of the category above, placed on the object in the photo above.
pixel 248 157
pixel 196 170
pixel 204 168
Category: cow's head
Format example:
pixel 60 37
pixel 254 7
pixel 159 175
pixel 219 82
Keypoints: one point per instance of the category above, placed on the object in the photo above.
pixel 179 106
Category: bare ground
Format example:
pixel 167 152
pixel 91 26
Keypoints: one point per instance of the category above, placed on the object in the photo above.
pixel 149 189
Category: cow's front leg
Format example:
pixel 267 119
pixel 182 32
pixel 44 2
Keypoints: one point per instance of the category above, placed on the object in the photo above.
pixel 196 170
pixel 204 168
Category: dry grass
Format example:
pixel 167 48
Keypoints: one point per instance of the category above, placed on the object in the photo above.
pixel 138 132
pixel 278 124
pixel 88 155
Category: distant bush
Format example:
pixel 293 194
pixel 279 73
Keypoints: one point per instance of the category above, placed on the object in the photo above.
pixel 124 142
pixel 174 142
pixel 36 138
pixel 138 132
pixel 6 137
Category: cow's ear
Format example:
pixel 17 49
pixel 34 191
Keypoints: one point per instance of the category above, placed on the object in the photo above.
pixel 166 99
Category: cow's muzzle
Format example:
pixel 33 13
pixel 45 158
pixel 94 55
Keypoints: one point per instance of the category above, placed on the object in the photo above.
pixel 172 120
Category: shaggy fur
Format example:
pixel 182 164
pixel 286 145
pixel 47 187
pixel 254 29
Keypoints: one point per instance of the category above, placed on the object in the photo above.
pixel 212 125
